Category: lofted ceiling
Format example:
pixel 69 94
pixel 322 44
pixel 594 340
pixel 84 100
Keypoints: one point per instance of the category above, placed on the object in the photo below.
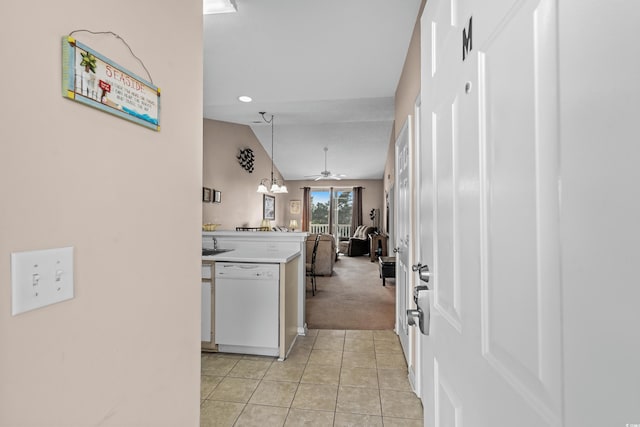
pixel 327 70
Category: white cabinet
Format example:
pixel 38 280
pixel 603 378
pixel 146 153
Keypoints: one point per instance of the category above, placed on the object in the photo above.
pixel 207 317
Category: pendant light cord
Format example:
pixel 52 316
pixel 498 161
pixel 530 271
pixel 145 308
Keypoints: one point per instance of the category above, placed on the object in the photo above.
pixel 262 113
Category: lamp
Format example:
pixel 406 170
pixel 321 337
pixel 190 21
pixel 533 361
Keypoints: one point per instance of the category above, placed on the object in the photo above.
pixel 265 182
pixel 293 224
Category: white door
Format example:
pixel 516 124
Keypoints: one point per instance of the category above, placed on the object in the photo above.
pixel 403 234
pixel 493 356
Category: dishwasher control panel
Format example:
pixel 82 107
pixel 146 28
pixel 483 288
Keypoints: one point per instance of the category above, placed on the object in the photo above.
pixel 247 270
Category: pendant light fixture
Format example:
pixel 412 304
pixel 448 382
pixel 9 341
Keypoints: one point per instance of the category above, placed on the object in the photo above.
pixel 275 187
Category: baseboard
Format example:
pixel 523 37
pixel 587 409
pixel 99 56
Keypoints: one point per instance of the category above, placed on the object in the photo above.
pixel 412 381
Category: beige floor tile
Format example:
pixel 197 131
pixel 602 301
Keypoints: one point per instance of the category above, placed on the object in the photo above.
pixel 234 390
pixel 207 384
pixel 358 360
pixel 329 343
pixel 330 378
pixel 298 356
pixel 321 374
pixel 388 346
pixel 320 397
pixel 303 417
pixel 305 342
pixel 400 404
pixel 331 333
pixel 394 379
pixel 390 361
pixel 401 422
pixel 274 393
pixel 261 416
pixel 281 371
pixel 250 368
pixel 217 366
pixel 214 413
pixel 359 400
pixel 360 335
pixel 385 335
pixel 325 357
pixel 359 377
pixel 357 420
pixel 312 332
pixel 357 345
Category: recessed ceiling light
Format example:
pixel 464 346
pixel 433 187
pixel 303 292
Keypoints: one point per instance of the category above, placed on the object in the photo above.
pixel 244 98
pixel 218 6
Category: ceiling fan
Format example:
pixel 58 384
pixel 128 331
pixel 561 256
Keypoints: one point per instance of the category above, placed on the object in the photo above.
pixel 325 174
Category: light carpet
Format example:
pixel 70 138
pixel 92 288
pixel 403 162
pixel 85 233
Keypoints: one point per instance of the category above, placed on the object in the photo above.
pixel 352 298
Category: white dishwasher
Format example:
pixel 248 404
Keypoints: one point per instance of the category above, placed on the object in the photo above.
pixel 247 308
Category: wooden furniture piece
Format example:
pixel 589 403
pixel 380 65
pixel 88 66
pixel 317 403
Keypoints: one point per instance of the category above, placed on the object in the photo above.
pixel 311 266
pixel 376 240
pixel 387 267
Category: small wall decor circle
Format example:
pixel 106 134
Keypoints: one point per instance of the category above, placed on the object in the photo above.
pixel 246 158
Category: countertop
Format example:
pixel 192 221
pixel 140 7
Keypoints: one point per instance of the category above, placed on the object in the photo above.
pixel 255 255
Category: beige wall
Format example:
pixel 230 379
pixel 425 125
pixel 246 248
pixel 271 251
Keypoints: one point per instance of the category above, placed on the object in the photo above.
pixel 241 205
pixel 372 194
pixel 125 350
pixel 405 99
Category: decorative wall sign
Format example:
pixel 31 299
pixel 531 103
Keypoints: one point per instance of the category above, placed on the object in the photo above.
pixel 92 79
pixel 245 158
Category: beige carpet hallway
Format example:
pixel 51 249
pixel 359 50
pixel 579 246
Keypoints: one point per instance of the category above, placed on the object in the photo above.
pixel 352 298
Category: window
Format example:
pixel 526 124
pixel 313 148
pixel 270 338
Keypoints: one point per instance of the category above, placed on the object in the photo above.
pixel 331 210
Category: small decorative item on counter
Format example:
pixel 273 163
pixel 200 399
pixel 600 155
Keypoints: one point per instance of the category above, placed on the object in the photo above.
pixel 209 227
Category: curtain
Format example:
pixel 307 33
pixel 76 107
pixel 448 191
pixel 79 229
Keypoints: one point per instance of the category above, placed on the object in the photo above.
pixel 332 210
pixel 356 214
pixel 306 208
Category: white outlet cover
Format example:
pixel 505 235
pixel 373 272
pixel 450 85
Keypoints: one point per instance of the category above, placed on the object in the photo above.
pixel 40 278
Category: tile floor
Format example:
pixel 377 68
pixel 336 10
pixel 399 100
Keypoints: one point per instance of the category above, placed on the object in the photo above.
pixel 331 378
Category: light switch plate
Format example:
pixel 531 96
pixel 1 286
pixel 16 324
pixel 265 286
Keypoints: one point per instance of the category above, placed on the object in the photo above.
pixel 40 278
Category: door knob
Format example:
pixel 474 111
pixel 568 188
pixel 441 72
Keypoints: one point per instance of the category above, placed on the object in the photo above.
pixel 423 271
pixel 412 315
pixel 421 315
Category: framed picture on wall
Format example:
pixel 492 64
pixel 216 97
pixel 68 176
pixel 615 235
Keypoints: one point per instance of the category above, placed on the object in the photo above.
pixel 206 195
pixel 294 207
pixel 268 207
pixel 217 196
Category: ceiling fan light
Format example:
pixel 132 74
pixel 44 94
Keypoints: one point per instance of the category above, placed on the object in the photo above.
pixel 262 188
pixel 283 188
pixel 275 188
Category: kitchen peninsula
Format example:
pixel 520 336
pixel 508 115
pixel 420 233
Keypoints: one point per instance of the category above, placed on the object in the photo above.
pixel 255 291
